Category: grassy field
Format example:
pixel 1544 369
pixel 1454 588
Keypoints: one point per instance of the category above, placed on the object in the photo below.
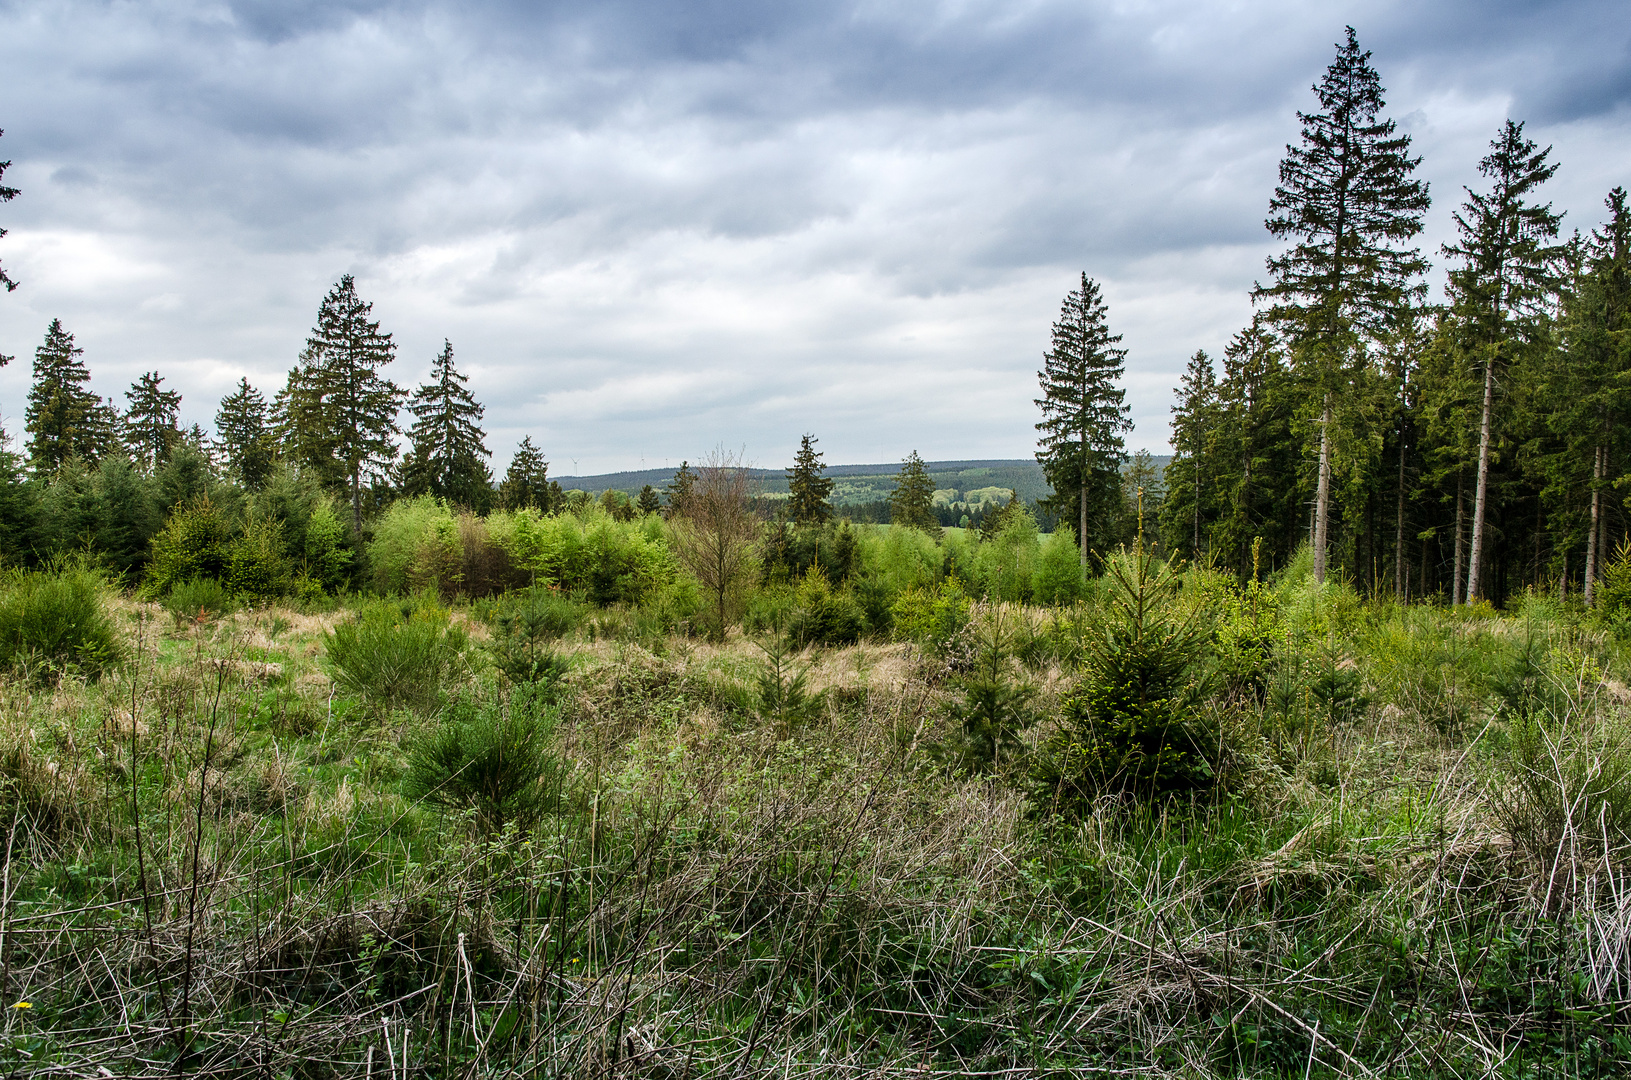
pixel 293 843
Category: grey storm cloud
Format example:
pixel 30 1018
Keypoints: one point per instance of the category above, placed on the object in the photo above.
pixel 649 228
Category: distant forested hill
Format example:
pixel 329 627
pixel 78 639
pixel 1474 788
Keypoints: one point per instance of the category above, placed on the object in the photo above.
pixel 856 485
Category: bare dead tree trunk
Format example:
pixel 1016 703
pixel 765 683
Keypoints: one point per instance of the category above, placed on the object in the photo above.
pixel 1592 554
pixel 1474 556
pixel 1455 588
pixel 1322 496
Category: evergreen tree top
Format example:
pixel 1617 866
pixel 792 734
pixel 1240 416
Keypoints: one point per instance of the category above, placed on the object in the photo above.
pixel 6 195
pixel 1347 196
pixel 151 418
pixel 1084 412
pixel 809 488
pixel 912 501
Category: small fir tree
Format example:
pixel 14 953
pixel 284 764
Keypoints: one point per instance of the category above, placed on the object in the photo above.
pixel 912 501
pixel 243 436
pixel 448 443
pixel 808 486
pixel 649 502
pixel 1083 415
pixel 526 484
pixel 150 422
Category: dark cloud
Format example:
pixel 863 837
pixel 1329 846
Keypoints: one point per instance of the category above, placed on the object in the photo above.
pixel 651 226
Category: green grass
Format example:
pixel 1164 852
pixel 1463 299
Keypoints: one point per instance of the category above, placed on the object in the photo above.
pixel 222 853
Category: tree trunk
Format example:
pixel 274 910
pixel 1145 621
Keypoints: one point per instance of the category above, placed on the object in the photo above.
pixel 1195 545
pixel 1474 556
pixel 1322 496
pixel 356 502
pixel 1455 587
pixel 1081 537
pixel 1398 529
pixel 1596 516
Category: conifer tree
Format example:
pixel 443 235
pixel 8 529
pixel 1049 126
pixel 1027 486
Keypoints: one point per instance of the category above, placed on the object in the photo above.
pixel 242 434
pixel 1193 420
pixel 1508 268
pixel 679 489
pixel 912 502
pixel 1347 196
pixel 808 486
pixel 1083 414
pixel 526 484
pixel 1590 403
pixel 649 501
pixel 150 422
pixel 448 443
pixel 357 404
pixel 64 418
pixel 6 195
pixel 299 422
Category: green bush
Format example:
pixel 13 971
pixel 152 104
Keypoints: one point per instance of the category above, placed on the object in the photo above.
pixel 198 598
pixel 933 617
pixel 492 760
pixel 397 655
pixel 814 613
pixel 1131 727
pixel 1058 575
pixel 993 705
pixel 57 621
pixel 256 569
pixel 193 544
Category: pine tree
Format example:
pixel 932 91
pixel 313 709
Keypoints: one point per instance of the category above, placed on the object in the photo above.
pixel 526 484
pixel 150 422
pixel 649 501
pixel 1083 415
pixel 300 428
pixel 64 418
pixel 1591 406
pixel 242 434
pixel 6 195
pixel 1507 271
pixel 448 443
pixel 1193 421
pixel 808 486
pixel 912 501
pixel 1347 195
pixel 680 488
pixel 358 405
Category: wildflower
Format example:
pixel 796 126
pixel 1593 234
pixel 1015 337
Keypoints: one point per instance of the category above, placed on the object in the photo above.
pixel 23 1005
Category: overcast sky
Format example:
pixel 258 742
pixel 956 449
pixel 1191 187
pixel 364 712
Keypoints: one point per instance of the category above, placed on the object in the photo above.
pixel 649 228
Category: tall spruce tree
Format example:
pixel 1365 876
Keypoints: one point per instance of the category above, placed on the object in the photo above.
pixel 679 489
pixel 526 484
pixel 1508 269
pixel 1346 194
pixel 150 422
pixel 1084 415
pixel 1194 419
pixel 357 404
pixel 64 419
pixel 1592 408
pixel 448 442
pixel 300 427
pixel 243 436
pixel 912 502
pixel 6 195
pixel 808 485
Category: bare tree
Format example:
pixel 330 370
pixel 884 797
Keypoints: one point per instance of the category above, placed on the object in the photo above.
pixel 717 534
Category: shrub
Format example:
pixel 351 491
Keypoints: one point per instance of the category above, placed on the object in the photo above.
pixel 1130 727
pixel 192 600
pixel 56 622
pixel 1007 561
pixel 397 655
pixel 812 614
pixel 192 545
pixel 492 760
pixel 781 688
pixel 588 552
pixel 255 567
pixel 934 617
pixel 993 706
pixel 1058 575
